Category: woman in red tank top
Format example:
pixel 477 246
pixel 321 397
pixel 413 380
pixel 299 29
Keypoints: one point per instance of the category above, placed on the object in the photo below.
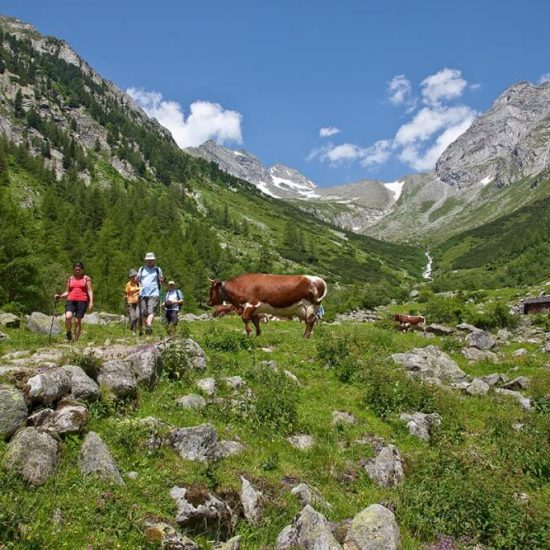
pixel 80 296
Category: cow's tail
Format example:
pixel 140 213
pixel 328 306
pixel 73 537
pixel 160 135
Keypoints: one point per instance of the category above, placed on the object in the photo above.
pixel 321 289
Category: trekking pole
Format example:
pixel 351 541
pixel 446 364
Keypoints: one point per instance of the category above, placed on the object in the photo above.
pixel 53 317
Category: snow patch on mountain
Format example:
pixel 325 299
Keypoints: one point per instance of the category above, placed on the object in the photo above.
pixel 396 187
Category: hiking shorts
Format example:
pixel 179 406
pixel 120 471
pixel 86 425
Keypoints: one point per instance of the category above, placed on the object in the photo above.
pixel 78 309
pixel 148 305
pixel 171 317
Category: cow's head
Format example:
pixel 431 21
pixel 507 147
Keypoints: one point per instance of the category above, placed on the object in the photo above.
pixel 215 298
pixel 397 317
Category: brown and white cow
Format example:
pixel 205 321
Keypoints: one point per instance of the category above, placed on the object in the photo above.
pixel 409 321
pixel 254 294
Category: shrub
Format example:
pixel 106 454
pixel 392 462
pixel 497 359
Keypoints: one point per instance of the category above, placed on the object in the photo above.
pixel 334 352
pixel 276 406
pixel 445 310
pixel 175 362
pixel 497 316
pixel 224 340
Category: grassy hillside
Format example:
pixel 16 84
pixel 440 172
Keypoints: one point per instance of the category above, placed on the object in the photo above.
pixel 461 487
pixel 512 250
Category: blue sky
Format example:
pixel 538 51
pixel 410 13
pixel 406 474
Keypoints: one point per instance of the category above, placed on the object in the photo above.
pixel 390 82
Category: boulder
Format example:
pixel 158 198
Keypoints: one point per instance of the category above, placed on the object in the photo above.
pixel 207 385
pixel 309 530
pixel 147 365
pixel 93 319
pixel 431 364
pixel 309 495
pixel 301 442
pixel 525 402
pixel 386 468
pixel 82 386
pixel 480 339
pixel 96 460
pixel 229 448
pixel 33 455
pixel 341 417
pixel 69 417
pixel 494 378
pixel 118 377
pixel 9 320
pixel 196 358
pixel 421 424
pixel 465 327
pixel 48 386
pixel 477 387
pixel 475 354
pixel 199 443
pixel 375 528
pixel 191 401
pixel 165 536
pixel 198 510
pixel 234 382
pixel 440 330
pixel 13 411
pixel 41 323
pixel 519 383
pixel 251 500
pixel 521 352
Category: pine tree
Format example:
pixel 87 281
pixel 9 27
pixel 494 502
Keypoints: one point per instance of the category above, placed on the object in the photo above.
pixel 4 168
pixel 18 104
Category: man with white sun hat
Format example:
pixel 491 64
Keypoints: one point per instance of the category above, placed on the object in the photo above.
pixel 150 281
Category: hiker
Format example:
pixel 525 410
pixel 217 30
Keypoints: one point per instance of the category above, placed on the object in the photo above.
pixel 173 300
pixel 80 296
pixel 150 280
pixel 131 298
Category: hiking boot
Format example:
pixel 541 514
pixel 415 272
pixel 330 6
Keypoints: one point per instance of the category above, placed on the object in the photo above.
pixel 69 336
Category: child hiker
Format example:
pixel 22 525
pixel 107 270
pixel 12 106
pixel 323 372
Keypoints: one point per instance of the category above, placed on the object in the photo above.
pixel 173 300
pixel 131 297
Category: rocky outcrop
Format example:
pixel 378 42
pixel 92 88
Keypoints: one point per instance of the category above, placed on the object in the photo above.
pixel 481 340
pixel 13 411
pixel 33 455
pixel 83 387
pixel 506 143
pixel 47 387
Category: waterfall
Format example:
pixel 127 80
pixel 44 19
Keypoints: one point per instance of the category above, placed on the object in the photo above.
pixel 427 273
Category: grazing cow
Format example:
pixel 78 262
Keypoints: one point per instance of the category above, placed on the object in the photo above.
pixel 253 294
pixel 410 321
pixel 226 309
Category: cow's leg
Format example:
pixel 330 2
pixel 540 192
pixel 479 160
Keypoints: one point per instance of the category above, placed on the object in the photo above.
pixel 310 321
pixel 256 321
pixel 247 316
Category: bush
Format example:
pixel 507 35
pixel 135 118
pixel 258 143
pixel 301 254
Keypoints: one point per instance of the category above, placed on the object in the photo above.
pixel 445 310
pixel 334 352
pixel 175 362
pixel 224 340
pixel 496 316
pixel 276 406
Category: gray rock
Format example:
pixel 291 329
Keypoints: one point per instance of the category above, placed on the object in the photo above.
pixel 191 401
pixel 48 386
pixel 519 383
pixel 480 339
pixel 301 442
pixel 386 468
pixel 229 448
pixel 251 500
pixel 93 319
pixel 525 402
pixel 147 365
pixel 521 352
pixel 431 364
pixel 33 455
pixel 82 386
pixel 165 536
pixel 474 354
pixel 232 544
pixel 341 417
pixel 201 510
pixel 195 355
pixel 477 387
pixel 199 443
pixel 494 378
pixel 465 327
pixel 118 377
pixel 421 424
pixel 309 495
pixel 13 411
pixel 309 531
pixel 96 460
pixel 207 385
pixel 440 330
pixel 234 382
pixel 69 417
pixel 41 323
pixel 374 528
pixel 9 320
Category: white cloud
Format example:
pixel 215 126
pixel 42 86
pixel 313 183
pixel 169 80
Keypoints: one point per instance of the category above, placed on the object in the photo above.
pixel 544 78
pixel 420 141
pixel 206 120
pixel 399 90
pixel 443 85
pixel 328 131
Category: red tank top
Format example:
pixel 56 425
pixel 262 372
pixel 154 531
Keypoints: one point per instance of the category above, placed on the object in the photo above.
pixel 77 289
